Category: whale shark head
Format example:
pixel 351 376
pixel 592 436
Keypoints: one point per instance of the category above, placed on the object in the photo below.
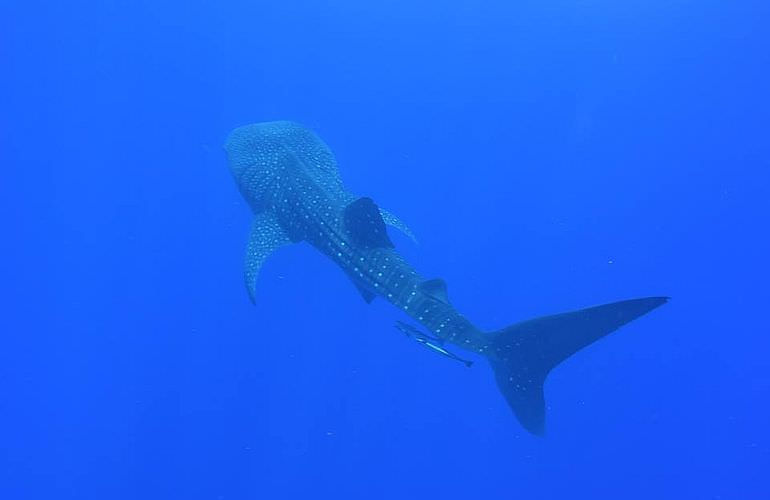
pixel 265 157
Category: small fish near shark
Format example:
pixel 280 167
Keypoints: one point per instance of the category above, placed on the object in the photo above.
pixel 289 178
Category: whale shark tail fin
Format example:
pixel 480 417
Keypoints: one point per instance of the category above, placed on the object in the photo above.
pixel 523 354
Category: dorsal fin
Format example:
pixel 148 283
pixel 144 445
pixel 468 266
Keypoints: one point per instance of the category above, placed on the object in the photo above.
pixel 436 288
pixel 365 225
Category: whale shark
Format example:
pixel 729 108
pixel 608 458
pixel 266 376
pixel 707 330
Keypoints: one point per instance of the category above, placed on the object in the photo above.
pixel 290 180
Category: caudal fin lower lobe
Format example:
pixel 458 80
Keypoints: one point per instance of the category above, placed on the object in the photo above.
pixel 524 353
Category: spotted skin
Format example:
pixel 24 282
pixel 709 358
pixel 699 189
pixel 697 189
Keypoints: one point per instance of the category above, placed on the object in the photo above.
pixel 289 178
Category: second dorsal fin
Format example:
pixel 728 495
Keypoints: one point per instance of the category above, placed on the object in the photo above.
pixel 436 288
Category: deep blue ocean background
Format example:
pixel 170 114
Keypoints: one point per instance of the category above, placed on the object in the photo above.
pixel 549 155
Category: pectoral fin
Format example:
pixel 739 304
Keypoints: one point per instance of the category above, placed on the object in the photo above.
pixel 266 237
pixel 393 221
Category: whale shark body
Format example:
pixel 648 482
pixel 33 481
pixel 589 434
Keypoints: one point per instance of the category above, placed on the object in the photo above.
pixel 289 178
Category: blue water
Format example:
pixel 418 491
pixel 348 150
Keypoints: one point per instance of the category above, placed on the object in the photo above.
pixel 548 155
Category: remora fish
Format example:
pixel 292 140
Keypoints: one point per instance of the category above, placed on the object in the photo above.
pixel 289 178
